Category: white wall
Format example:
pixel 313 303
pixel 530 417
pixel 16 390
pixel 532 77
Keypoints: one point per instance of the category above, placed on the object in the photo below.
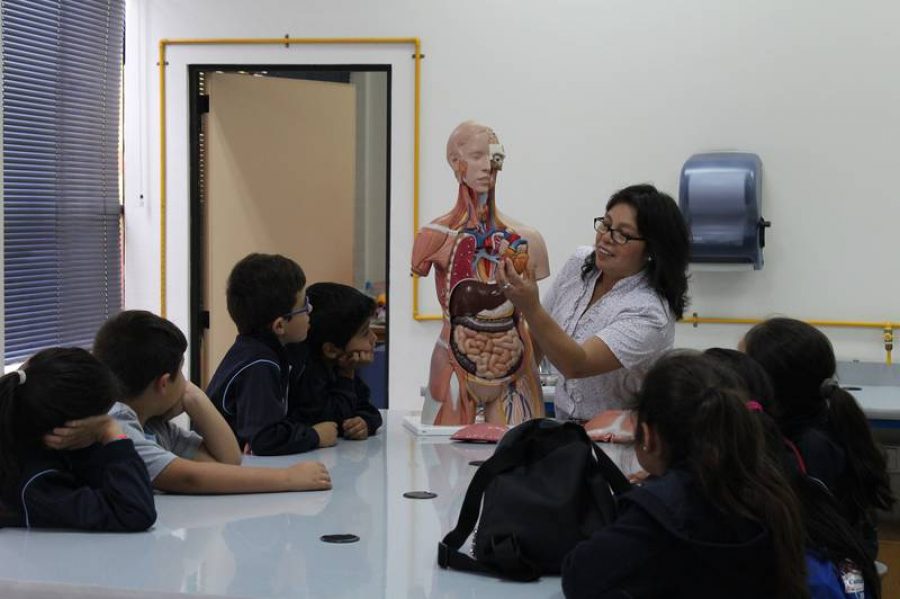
pixel 587 96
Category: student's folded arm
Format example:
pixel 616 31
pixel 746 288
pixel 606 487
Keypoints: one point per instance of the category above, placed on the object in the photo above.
pixel 283 438
pixel 322 398
pixel 119 499
pixel 261 414
pixel 219 443
pixel 364 407
pixel 188 476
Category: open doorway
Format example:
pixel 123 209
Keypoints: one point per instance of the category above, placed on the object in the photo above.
pixel 288 159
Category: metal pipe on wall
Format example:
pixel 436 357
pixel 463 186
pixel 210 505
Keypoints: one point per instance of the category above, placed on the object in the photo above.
pixel 887 328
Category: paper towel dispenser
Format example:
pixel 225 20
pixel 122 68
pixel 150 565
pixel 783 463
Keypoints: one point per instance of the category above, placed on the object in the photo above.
pixel 720 197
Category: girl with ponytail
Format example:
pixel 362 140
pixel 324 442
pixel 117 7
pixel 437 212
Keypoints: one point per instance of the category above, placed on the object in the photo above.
pixel 829 537
pixel 717 518
pixel 59 398
pixel 823 420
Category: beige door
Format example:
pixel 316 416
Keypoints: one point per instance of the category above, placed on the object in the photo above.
pixel 281 159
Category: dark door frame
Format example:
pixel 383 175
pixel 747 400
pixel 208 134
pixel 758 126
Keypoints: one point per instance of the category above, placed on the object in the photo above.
pixel 199 104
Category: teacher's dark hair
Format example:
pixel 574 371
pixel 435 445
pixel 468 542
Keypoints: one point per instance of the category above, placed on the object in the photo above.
pixel 666 234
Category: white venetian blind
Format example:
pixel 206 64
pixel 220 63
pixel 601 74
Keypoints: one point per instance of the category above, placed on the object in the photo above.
pixel 62 70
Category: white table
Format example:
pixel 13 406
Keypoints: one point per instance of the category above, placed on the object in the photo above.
pixel 268 545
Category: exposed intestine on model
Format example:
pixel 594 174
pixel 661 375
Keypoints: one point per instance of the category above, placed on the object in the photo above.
pixel 483 355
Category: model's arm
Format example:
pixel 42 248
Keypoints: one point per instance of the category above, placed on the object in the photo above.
pixel 572 359
pixel 219 444
pixel 427 244
pixel 188 476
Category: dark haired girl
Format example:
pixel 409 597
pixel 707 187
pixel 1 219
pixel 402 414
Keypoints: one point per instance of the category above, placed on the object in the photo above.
pixel 829 537
pixel 715 519
pixel 823 420
pixel 612 309
pixel 59 398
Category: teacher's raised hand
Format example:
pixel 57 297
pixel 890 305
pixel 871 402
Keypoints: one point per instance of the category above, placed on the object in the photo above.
pixel 521 290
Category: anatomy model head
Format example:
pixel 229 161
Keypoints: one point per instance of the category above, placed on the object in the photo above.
pixel 475 155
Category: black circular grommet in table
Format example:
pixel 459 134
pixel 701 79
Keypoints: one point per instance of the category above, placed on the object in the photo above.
pixel 339 538
pixel 420 495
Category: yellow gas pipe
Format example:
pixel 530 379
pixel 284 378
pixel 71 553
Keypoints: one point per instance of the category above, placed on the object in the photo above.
pixel 887 328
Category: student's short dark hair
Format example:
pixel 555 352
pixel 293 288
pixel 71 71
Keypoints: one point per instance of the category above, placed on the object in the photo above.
pixel 139 346
pixel 339 312
pixel 262 287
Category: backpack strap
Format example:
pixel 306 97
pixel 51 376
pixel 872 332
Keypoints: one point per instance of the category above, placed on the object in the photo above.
pixel 511 563
pixel 617 481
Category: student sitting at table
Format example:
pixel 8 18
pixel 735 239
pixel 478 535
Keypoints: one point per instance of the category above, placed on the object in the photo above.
pixel 340 342
pixel 267 302
pixel 823 420
pixel 833 549
pixel 716 518
pixel 146 353
pixel 97 482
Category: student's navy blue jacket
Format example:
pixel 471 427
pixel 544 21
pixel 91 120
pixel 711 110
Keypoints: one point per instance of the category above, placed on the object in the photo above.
pixel 826 461
pixel 323 395
pixel 252 387
pixel 100 487
pixel 670 541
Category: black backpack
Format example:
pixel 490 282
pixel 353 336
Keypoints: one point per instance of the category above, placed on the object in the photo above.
pixel 546 488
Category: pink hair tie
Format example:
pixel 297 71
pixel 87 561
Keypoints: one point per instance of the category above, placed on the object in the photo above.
pixel 754 406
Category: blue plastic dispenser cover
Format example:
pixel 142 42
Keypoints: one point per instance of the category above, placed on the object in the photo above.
pixel 720 198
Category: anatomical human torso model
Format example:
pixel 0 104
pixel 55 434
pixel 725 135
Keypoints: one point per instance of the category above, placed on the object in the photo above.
pixel 484 353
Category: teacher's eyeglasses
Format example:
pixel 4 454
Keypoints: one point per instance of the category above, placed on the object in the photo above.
pixel 306 309
pixel 601 225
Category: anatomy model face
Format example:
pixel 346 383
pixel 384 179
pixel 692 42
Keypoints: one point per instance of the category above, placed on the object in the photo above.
pixel 483 358
pixel 473 166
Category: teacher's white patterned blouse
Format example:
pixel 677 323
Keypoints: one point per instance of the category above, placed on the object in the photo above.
pixel 630 318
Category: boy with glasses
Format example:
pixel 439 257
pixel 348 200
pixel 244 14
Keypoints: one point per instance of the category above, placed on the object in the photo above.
pixel 251 387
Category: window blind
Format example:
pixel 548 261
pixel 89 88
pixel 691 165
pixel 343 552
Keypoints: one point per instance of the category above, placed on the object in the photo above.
pixel 62 71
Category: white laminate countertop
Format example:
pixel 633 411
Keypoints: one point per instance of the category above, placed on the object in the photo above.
pixel 268 545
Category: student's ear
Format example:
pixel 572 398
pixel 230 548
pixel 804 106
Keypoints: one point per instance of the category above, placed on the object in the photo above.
pixel 279 325
pixel 161 383
pixel 331 351
pixel 652 452
pixel 645 437
pixel 650 441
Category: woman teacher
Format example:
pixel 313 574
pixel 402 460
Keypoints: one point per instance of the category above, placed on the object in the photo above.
pixel 611 310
